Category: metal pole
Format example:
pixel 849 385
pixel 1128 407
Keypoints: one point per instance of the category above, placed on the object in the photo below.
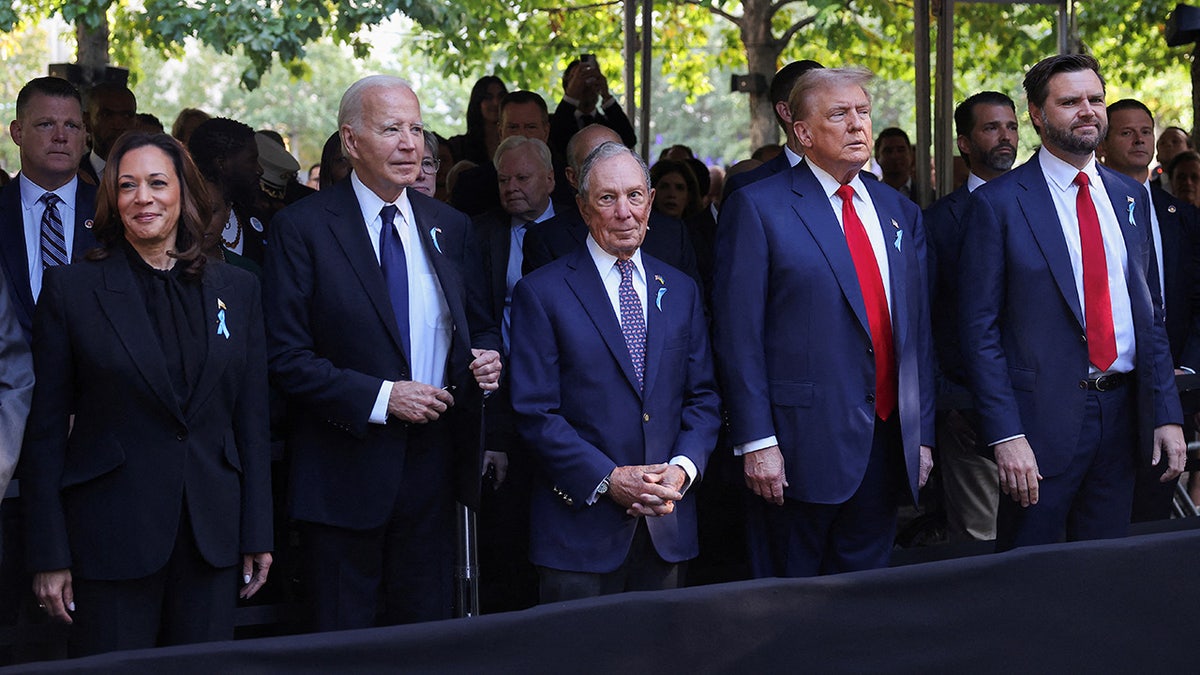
pixel 647 27
pixel 466 573
pixel 631 48
pixel 944 146
pixel 921 46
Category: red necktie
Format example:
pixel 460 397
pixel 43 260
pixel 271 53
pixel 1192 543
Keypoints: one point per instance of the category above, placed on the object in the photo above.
pixel 1097 304
pixel 878 317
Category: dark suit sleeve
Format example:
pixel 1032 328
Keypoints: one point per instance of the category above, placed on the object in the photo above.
pixel 45 449
pixel 740 287
pixel 981 282
pixel 616 119
pixel 251 434
pixel 16 386
pixel 577 466
pixel 562 127
pixel 535 250
pixel 344 395
pixel 701 419
pixel 1189 222
pixel 928 363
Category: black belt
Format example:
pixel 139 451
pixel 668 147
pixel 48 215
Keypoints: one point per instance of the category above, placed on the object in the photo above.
pixel 1106 382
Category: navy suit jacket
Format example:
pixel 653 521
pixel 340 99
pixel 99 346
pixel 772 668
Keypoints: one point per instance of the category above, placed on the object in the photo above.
pixel 777 164
pixel 1179 224
pixel 580 410
pixel 104 493
pixel 792 340
pixel 945 223
pixel 1022 319
pixel 563 125
pixel 333 340
pixel 13 258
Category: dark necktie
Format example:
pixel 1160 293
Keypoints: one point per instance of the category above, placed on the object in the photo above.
pixel 878 317
pixel 633 321
pixel 54 241
pixel 395 268
pixel 1097 303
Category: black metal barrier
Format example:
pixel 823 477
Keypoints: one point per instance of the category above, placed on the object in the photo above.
pixel 1113 606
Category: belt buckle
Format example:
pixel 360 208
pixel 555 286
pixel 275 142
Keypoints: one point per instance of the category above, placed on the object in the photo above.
pixel 1103 382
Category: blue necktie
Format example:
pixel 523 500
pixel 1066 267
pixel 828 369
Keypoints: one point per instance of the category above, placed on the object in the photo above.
pixel 633 320
pixel 395 269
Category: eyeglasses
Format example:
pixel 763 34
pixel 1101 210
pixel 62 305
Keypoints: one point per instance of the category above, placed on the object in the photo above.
pixel 430 166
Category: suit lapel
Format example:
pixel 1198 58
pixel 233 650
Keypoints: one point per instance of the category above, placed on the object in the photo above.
pixel 346 224
pixel 1135 230
pixel 584 280
pixel 217 314
pixel 126 311
pixel 1038 206
pixel 500 241
pixel 12 245
pixel 815 211
pixel 85 209
pixel 1169 229
pixel 428 230
pixel 657 306
pixel 895 240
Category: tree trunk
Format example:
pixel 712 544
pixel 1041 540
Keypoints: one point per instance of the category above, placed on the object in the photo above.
pixel 92 54
pixel 762 55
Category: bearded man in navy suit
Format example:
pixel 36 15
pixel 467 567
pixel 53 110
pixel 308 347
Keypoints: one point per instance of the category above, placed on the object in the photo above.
pixel 369 339
pixel 823 343
pixel 613 391
pixel 1070 365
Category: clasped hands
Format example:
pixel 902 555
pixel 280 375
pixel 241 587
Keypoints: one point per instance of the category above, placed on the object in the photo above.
pixel 647 489
pixel 418 403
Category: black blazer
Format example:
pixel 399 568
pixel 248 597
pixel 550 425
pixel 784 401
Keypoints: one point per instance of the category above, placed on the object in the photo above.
pixel 1179 223
pixel 104 496
pixel 945 226
pixel 13 259
pixel 333 340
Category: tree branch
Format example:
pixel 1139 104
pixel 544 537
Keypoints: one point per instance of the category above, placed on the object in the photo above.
pixel 795 28
pixel 712 7
pixel 578 7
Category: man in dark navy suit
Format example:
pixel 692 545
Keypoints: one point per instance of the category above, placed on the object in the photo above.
pixel 793 151
pixel 823 343
pixel 1175 226
pixel 34 235
pixel 986 124
pixel 1070 364
pixel 613 390
pixel 369 339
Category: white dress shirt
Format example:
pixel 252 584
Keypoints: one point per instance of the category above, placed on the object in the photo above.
pixel 32 209
pixel 429 319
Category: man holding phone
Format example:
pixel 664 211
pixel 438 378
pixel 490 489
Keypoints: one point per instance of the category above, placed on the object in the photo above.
pixel 586 100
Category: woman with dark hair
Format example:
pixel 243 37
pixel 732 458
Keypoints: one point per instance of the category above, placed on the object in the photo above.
pixel 483 122
pixel 676 191
pixel 334 165
pixel 146 466
pixel 226 154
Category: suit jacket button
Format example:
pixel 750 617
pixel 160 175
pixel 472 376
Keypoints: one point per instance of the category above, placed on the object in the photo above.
pixel 870 398
pixel 1083 338
pixel 1083 384
pixel 645 417
pixel 181 436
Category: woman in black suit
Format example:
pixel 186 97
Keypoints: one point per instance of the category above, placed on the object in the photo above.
pixel 146 459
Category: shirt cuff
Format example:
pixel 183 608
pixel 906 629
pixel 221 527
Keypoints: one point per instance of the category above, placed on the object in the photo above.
pixel 1187 370
pixel 608 102
pixel 1005 440
pixel 689 467
pixel 379 413
pixel 754 446
pixel 573 101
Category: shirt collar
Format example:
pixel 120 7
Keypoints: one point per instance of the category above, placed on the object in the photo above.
pixel 546 215
pixel 605 261
pixel 792 157
pixel 371 203
pixel 31 192
pixel 830 185
pixel 974 182
pixel 1061 174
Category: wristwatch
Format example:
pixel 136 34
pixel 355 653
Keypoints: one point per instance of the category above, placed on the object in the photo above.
pixel 603 488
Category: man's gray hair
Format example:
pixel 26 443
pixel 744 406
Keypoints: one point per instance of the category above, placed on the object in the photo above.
pixel 607 150
pixel 541 150
pixel 826 78
pixel 351 108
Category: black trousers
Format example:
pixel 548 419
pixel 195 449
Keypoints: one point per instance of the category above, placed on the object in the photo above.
pixel 643 570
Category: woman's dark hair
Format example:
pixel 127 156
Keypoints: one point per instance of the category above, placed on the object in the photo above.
pixel 668 166
pixel 193 237
pixel 475 123
pixel 214 140
pixel 334 165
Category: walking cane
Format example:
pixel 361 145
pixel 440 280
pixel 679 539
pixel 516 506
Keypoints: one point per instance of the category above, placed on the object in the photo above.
pixel 466 574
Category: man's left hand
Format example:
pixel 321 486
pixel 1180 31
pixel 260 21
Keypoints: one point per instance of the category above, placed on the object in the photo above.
pixel 486 368
pixel 672 477
pixel 1168 439
pixel 925 466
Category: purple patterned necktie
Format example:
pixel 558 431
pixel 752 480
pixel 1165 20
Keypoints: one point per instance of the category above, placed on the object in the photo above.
pixel 54 240
pixel 633 320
